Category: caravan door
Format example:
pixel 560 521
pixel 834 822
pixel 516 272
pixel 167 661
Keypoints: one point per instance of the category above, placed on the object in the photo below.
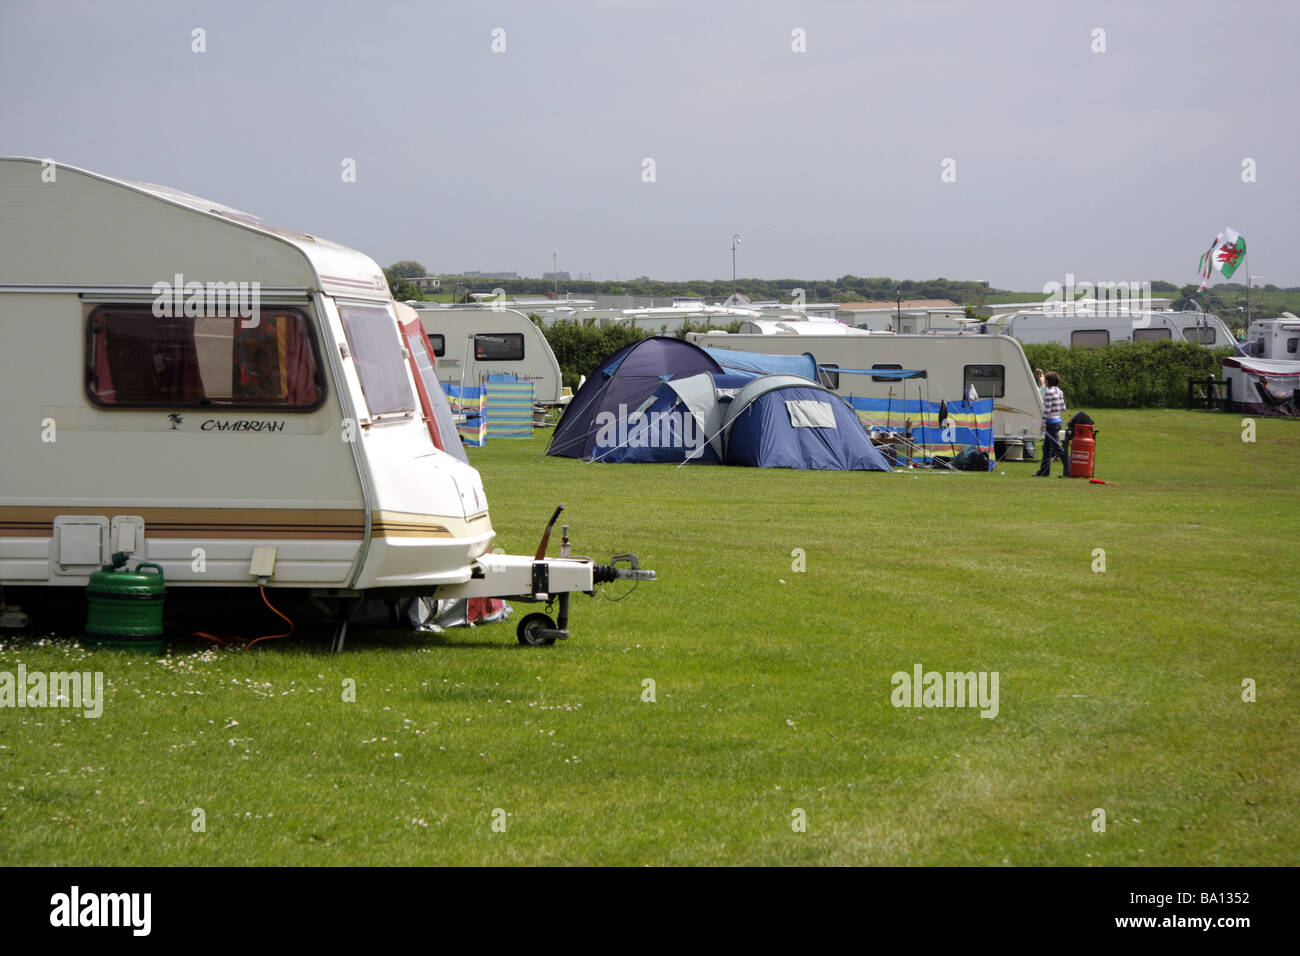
pixel 428 513
pixel 424 367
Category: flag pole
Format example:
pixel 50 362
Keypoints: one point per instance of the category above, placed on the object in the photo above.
pixel 1247 288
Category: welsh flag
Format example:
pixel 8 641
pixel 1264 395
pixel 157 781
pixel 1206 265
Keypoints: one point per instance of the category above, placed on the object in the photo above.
pixel 1226 253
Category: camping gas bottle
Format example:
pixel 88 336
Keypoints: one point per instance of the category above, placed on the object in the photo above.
pixel 1083 448
pixel 124 609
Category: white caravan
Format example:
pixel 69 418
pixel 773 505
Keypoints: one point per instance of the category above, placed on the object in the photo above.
pixel 994 364
pixel 237 403
pixel 798 325
pixel 668 320
pixel 1093 327
pixel 1089 302
pixel 470 344
pixel 1264 377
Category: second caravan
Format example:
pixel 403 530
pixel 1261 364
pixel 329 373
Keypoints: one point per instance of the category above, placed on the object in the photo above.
pixel 471 344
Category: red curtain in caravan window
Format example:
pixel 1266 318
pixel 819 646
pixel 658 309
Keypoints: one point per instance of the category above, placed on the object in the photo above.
pixel 102 381
pixel 422 364
pixel 137 360
pixel 273 361
pixel 300 367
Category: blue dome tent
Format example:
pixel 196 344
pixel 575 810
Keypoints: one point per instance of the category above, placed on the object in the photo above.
pixel 786 421
pixel 621 387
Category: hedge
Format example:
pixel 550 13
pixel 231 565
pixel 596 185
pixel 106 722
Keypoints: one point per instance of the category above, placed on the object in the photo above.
pixel 580 349
pixel 1127 374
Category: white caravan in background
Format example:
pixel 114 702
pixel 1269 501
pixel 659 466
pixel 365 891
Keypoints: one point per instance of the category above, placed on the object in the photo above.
pixel 798 325
pixel 1089 328
pixel 470 344
pixel 240 404
pixel 1264 375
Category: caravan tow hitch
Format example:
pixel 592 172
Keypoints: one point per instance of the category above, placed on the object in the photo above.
pixel 542 579
pixel 537 629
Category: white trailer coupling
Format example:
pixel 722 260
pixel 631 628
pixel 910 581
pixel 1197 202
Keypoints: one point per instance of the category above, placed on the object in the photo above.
pixel 542 579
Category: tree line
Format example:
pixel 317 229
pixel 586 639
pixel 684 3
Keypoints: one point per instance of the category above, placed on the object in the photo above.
pixel 1227 300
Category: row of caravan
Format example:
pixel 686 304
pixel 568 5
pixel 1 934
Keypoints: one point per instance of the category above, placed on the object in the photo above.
pixel 1089 328
pixel 1081 327
pixel 473 342
pixel 1085 323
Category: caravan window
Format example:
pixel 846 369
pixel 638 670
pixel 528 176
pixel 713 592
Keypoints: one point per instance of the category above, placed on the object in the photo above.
pixel 137 360
pixel 828 376
pixel 1089 338
pixel 877 378
pixel 499 347
pixel 989 380
pixel 1201 334
pixel 439 343
pixel 377 355
pixel 1155 335
pixel 1291 345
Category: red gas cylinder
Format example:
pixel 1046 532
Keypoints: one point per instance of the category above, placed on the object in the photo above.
pixel 1083 448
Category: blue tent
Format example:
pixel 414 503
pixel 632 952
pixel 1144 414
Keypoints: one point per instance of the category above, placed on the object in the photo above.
pixel 785 421
pixel 754 364
pixel 666 400
pixel 680 422
pixel 622 385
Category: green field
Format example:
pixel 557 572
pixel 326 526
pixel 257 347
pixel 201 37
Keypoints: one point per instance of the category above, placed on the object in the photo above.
pixel 1119 690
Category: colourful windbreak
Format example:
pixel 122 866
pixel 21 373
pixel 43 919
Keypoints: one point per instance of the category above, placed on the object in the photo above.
pixel 511 401
pixel 470 401
pixel 969 423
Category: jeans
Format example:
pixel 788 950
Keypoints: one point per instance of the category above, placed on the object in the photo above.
pixel 1052 449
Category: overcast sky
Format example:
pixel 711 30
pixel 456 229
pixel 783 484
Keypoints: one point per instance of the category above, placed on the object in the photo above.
pixel 1117 165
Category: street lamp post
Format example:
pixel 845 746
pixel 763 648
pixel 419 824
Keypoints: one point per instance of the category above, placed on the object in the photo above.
pixel 1250 279
pixel 735 241
pixel 555 272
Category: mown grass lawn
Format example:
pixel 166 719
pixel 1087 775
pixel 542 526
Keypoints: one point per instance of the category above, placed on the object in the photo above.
pixel 1119 690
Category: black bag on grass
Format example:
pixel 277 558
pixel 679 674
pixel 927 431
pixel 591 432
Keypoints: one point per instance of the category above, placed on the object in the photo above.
pixel 971 458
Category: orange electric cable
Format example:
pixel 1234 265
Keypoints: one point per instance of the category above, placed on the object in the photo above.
pixel 272 637
pixel 202 634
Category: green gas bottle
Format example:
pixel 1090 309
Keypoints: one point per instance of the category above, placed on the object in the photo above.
pixel 124 609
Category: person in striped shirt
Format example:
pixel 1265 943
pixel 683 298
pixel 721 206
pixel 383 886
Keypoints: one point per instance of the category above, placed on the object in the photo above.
pixel 1053 410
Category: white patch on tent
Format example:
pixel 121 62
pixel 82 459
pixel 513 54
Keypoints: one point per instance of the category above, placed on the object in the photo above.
pixel 806 413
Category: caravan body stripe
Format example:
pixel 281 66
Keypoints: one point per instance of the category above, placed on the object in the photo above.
pixel 332 524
